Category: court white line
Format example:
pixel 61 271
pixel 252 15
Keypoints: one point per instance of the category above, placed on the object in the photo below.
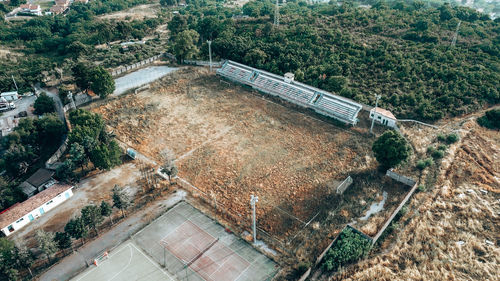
pixel 147 226
pixel 126 266
pixel 250 265
pixel 91 270
pixel 153 262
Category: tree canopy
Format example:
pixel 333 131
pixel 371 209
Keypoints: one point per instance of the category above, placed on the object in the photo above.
pixel 44 104
pixel 391 149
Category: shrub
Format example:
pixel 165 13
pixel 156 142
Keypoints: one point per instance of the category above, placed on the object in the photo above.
pixel 452 138
pixel 441 137
pixel 431 149
pixel 421 164
pixel 442 147
pixel 490 119
pixel 437 154
pixel 349 247
pixel 422 188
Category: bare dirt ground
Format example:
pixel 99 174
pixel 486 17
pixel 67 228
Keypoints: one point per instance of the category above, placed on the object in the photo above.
pixel 231 143
pixel 451 231
pixel 136 13
pixel 91 190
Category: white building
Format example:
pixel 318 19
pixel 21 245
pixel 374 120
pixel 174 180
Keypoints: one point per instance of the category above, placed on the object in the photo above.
pixel 25 212
pixel 31 9
pixel 384 117
pixel 10 96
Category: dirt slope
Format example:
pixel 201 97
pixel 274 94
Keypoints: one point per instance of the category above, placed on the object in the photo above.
pixel 452 232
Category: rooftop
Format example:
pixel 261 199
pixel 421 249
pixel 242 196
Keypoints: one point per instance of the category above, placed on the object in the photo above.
pixel 21 209
pixel 385 113
pixel 40 177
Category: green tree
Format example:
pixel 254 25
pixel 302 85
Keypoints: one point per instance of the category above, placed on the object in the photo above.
pixel 46 243
pixel 106 156
pixel 92 217
pixel 63 240
pixel 102 83
pixel 65 170
pixel 185 44
pixel 490 119
pixel 168 2
pixel 177 25
pixel 77 155
pixel 121 200
pixel 44 104
pixel 82 74
pixel 391 149
pixel 50 129
pixel 7 267
pixel 24 258
pixel 106 210
pixel 77 229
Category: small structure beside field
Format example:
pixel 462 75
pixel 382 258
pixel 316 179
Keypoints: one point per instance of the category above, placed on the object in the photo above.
pixel 39 181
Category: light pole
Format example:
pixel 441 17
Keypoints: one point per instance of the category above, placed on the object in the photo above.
pixel 210 53
pixel 253 200
pixel 374 111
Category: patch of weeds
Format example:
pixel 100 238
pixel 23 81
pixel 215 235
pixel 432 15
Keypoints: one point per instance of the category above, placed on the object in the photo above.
pixel 424 163
pixel 422 188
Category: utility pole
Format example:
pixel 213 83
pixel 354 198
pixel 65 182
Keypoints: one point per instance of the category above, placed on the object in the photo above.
pixel 253 200
pixel 277 15
pixel 374 112
pixel 210 53
pixel 15 84
pixel 454 41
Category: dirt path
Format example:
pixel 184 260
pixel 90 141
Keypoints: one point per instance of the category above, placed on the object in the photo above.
pixel 72 265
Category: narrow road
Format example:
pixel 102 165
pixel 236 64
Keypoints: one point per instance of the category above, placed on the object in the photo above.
pixel 75 263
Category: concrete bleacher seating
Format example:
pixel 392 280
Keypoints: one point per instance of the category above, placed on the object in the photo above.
pixel 304 95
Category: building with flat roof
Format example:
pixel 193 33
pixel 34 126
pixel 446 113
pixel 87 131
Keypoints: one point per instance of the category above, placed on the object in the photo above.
pixel 25 212
pixel 40 180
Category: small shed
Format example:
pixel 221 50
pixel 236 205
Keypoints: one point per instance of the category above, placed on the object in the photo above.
pixel 10 96
pixel 383 116
pixel 40 180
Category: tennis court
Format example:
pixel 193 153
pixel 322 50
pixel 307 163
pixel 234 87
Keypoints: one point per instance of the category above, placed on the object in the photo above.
pixel 194 247
pixel 125 263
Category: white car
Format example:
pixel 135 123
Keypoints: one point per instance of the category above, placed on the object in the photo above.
pixel 12 105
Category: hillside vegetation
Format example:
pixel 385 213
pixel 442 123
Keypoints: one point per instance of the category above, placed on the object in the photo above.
pixel 401 50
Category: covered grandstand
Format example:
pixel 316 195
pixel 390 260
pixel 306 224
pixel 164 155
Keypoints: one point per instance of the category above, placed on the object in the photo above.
pixel 295 92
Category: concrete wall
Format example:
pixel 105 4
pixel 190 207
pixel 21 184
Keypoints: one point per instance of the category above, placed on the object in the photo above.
pixel 400 178
pixel 37 212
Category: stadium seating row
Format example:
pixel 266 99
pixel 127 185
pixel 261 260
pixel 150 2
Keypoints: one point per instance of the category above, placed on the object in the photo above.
pixel 304 95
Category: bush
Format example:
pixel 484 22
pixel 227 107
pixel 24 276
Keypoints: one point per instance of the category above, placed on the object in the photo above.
pixel 442 147
pixel 441 137
pixel 437 154
pixel 422 164
pixel 422 188
pixel 349 247
pixel 452 138
pixel 491 119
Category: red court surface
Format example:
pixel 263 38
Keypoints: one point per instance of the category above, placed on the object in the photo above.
pixel 204 254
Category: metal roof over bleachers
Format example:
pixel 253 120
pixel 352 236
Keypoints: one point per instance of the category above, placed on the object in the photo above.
pixel 295 92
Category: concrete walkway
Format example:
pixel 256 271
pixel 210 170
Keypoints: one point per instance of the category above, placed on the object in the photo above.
pixel 75 263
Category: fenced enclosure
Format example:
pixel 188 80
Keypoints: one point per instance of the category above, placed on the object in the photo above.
pixel 135 65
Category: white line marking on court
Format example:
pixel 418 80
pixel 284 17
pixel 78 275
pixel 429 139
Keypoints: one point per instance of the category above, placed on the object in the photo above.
pixel 126 266
pixel 91 270
pixel 147 226
pixel 220 266
pixel 154 263
pixel 250 265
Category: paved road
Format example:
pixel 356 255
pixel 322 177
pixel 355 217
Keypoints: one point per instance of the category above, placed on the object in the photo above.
pixel 57 100
pixel 72 265
pixel 21 105
pixel 140 77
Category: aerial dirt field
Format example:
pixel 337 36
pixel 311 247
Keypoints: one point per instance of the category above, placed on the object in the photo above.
pixel 91 190
pixel 139 12
pixel 451 230
pixel 231 143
